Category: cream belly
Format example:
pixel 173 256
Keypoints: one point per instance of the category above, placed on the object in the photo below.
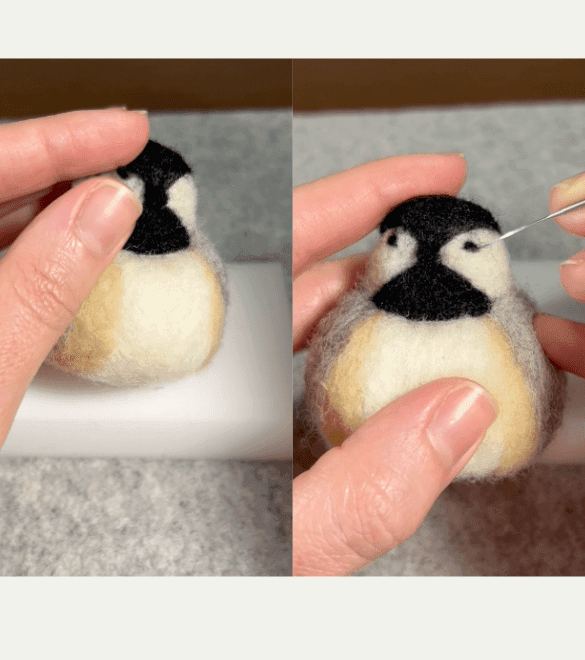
pixel 388 356
pixel 148 319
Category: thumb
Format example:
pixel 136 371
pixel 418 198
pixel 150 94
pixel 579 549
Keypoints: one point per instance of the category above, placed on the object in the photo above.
pixel 48 272
pixel 365 497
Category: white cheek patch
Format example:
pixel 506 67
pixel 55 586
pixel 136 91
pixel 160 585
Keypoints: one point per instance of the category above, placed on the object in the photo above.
pixel 136 185
pixel 182 200
pixel 388 261
pixel 487 269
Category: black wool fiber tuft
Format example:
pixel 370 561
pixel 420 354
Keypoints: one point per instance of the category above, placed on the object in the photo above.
pixel 158 230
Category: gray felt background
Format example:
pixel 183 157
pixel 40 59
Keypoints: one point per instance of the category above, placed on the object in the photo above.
pixel 533 524
pixel 173 517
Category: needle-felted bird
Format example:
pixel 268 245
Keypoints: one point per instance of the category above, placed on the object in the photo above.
pixel 434 303
pixel 157 312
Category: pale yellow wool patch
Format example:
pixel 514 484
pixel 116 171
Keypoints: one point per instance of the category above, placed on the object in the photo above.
pixel 388 356
pixel 91 338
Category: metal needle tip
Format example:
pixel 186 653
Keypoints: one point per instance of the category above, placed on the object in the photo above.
pixel 556 214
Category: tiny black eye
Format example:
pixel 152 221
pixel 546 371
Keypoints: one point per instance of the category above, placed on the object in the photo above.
pixel 470 246
pixel 391 239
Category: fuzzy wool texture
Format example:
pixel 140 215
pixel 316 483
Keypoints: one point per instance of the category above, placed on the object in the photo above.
pixel 130 516
pixel 533 523
pixel 157 312
pixel 156 333
pixel 156 173
pixel 448 308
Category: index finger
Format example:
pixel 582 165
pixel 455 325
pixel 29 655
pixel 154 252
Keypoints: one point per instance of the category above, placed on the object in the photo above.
pixel 335 212
pixel 37 153
pixel 564 194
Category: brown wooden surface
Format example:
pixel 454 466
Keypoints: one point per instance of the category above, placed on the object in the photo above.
pixel 321 85
pixel 40 87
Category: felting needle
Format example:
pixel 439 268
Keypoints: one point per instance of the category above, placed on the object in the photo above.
pixel 530 224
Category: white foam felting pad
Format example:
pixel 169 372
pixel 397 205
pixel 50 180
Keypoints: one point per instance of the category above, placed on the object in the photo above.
pixel 238 408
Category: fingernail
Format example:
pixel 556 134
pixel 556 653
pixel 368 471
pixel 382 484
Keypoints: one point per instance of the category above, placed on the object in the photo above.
pixel 573 187
pixel 460 422
pixel 142 112
pixel 107 217
pixel 576 260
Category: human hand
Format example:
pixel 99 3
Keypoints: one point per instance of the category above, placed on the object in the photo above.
pixel 56 257
pixel 564 341
pixel 365 497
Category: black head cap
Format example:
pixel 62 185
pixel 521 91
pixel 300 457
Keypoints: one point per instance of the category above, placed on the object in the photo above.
pixel 158 230
pixel 157 165
pixel 435 220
